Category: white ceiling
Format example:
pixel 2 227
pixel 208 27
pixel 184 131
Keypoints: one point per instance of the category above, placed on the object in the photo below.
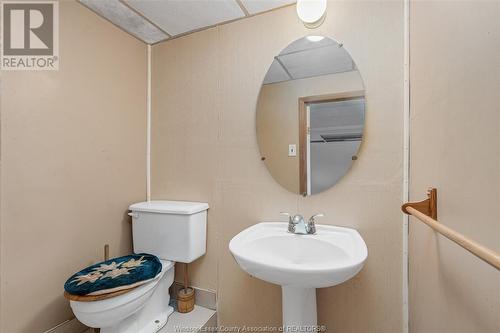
pixel 259 6
pixel 304 58
pixel 179 17
pixel 126 19
pixel 153 21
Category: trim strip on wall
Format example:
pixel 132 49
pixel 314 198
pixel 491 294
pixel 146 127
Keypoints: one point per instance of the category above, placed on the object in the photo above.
pixel 148 130
pixel 203 297
pixel 68 326
pixel 406 160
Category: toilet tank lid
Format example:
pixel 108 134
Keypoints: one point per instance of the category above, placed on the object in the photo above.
pixel 169 207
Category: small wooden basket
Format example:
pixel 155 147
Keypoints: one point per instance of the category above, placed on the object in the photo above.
pixel 185 300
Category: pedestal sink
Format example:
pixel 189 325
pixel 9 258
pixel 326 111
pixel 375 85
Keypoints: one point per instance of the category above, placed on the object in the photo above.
pixel 299 263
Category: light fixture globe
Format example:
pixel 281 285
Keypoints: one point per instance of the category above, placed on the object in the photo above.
pixel 311 12
pixel 314 38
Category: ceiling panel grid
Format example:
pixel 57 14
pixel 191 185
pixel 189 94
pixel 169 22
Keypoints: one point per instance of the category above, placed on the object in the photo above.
pixel 153 21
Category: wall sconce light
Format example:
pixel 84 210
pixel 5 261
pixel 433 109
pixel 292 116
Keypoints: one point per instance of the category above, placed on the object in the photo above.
pixel 315 38
pixel 311 12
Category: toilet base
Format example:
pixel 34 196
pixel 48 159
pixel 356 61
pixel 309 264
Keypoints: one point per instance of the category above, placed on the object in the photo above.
pixel 131 324
pixel 143 310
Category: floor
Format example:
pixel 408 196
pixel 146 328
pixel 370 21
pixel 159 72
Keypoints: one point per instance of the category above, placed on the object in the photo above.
pixel 187 322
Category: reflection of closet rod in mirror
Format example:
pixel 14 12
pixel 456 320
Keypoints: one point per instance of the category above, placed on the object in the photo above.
pixel 303 127
pixel 337 138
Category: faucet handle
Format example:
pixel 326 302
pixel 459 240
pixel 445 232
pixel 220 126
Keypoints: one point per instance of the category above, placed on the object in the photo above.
pixel 291 224
pixel 312 218
pixel 311 224
pixel 287 215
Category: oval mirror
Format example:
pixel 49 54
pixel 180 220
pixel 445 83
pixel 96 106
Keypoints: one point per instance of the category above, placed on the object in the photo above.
pixel 310 115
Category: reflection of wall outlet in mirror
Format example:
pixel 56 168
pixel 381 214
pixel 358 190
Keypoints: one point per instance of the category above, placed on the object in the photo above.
pixel 292 150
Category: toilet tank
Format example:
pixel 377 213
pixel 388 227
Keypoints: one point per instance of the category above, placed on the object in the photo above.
pixel 171 230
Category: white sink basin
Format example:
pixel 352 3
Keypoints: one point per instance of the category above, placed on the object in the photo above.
pixel 299 263
pixel 329 257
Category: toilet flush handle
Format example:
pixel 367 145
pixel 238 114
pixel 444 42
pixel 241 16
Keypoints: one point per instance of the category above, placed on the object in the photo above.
pixel 133 215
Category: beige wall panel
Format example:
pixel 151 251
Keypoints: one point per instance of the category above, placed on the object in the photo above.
pixel 73 147
pixel 205 148
pixel 185 132
pixel 455 136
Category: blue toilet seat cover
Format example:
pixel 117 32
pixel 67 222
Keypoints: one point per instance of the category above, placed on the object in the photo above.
pixel 115 274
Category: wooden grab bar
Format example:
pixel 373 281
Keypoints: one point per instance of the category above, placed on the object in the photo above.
pixel 426 211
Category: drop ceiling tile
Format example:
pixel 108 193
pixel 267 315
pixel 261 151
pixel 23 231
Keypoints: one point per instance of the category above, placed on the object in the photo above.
pixel 127 19
pixel 180 16
pixel 276 73
pixel 318 61
pixel 258 6
pixel 305 44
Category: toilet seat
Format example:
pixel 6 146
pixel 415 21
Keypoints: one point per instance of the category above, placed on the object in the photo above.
pixel 93 298
pixel 166 265
pixel 143 309
pixel 114 274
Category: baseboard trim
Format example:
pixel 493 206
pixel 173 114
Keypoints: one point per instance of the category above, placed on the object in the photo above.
pixel 68 326
pixel 203 297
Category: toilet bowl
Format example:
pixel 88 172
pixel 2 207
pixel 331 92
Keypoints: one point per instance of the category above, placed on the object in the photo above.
pixel 171 231
pixel 144 309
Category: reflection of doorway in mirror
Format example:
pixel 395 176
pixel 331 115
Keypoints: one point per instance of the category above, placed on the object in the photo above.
pixel 330 132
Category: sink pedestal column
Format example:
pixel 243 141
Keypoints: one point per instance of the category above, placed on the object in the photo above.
pixel 299 307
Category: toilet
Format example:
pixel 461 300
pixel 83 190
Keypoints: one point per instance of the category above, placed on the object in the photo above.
pixel 172 231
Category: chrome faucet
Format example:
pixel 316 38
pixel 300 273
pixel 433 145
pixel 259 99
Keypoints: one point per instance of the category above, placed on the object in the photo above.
pixel 297 224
